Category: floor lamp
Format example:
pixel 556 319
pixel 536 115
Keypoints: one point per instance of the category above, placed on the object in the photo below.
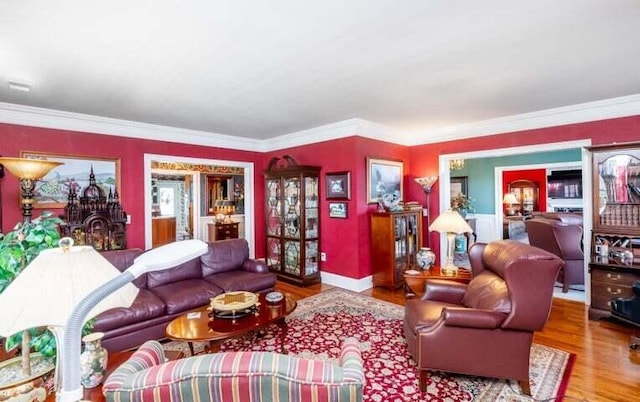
pixel 426 183
pixel 29 171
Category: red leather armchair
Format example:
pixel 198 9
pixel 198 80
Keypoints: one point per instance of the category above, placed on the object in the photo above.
pixel 560 234
pixel 486 327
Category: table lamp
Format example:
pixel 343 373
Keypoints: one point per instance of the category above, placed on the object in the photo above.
pixel 28 171
pixel 451 223
pixel 509 200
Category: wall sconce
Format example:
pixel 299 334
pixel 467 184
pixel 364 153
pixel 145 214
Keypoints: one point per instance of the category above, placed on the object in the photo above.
pixel 426 183
pixel 456 164
pixel 28 171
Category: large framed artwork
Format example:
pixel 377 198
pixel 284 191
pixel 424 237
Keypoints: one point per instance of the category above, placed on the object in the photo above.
pixel 384 179
pixel 52 191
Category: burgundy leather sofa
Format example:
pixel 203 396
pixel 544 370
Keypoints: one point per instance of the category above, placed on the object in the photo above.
pixel 164 295
pixel 560 234
pixel 484 328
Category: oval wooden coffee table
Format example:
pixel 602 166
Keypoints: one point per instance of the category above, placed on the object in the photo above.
pixel 197 325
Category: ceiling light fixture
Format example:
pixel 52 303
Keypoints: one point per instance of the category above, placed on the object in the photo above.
pixel 456 164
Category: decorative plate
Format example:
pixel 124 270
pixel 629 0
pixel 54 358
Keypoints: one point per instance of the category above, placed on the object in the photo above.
pixel 273 297
pixel 232 301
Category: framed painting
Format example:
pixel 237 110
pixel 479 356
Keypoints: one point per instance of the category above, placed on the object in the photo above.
pixel 338 185
pixel 52 191
pixel 459 186
pixel 338 210
pixel 384 179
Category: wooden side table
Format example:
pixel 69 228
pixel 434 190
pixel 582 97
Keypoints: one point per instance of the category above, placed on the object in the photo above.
pixel 414 283
pixel 114 361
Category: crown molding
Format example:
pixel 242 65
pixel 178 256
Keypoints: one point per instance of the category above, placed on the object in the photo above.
pixel 581 113
pixel 59 120
pixel 585 112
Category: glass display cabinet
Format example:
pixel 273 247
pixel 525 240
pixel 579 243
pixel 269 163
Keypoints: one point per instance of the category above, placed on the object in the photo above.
pixel 293 221
pixel 526 192
pixel 615 247
pixel 395 239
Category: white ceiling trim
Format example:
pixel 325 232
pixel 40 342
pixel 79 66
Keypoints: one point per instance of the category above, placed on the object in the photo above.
pixel 60 120
pixel 581 113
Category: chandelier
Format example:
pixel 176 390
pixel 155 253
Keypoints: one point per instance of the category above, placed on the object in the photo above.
pixel 456 164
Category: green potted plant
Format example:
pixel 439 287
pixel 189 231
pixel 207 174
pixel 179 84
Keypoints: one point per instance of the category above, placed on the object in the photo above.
pixel 462 204
pixel 17 249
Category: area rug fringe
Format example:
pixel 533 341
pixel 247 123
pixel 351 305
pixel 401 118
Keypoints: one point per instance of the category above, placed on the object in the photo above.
pixel 320 322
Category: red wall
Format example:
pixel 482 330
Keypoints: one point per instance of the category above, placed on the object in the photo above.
pixel 538 176
pixel 346 241
pixel 130 151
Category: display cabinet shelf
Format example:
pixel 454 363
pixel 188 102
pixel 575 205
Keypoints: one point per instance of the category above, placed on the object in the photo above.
pixel 292 214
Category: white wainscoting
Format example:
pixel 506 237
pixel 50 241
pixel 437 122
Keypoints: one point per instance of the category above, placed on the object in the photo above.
pixel 486 228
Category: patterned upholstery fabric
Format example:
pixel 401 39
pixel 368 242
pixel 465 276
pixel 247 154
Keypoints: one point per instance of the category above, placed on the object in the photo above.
pixel 236 376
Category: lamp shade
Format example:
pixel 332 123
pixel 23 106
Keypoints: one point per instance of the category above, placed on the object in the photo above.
pixel 426 182
pixel 51 286
pixel 450 222
pixel 509 198
pixel 24 168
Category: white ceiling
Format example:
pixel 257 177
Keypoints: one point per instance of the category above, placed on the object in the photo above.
pixel 262 69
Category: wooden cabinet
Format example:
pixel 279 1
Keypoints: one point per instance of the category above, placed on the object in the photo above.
pixel 223 231
pixel 614 258
pixel 163 230
pixel 526 192
pixel 292 212
pixel 395 238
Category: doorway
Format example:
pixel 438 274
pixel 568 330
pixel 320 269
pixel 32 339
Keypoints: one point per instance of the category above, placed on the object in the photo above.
pixel 445 191
pixel 199 219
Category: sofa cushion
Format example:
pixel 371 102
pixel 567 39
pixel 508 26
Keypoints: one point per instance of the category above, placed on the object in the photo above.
pixel 145 307
pixel 123 259
pixel 224 255
pixel 242 280
pixel 186 295
pixel 189 270
pixel 488 291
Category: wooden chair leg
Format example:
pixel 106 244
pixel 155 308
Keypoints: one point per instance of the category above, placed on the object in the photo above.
pixel 524 385
pixel 423 380
pixel 565 287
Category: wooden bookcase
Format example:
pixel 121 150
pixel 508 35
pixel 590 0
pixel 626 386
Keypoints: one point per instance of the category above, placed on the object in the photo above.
pixel 614 258
pixel 395 239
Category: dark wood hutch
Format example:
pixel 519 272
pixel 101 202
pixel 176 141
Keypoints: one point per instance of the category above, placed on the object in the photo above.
pixel 95 219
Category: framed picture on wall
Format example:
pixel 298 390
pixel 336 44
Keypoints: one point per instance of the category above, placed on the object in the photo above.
pixel 384 179
pixel 459 185
pixel 338 185
pixel 338 210
pixel 52 191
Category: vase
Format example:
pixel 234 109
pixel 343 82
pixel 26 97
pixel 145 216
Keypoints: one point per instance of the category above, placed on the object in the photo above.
pixel 425 258
pixel 93 361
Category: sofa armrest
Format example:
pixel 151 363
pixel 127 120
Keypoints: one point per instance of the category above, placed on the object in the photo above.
pixel 443 290
pixel 148 355
pixel 351 361
pixel 472 318
pixel 258 266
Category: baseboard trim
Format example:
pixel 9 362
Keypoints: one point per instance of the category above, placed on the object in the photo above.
pixel 344 282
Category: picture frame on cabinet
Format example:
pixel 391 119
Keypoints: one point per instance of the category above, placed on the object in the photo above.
pixel 338 210
pixel 338 185
pixel 52 191
pixel 384 180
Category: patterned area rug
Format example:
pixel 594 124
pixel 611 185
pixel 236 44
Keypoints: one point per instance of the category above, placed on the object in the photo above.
pixel 320 322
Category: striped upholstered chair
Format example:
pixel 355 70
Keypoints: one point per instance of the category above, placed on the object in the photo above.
pixel 236 376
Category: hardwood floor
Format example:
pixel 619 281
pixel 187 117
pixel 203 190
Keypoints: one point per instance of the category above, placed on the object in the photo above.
pixel 605 368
